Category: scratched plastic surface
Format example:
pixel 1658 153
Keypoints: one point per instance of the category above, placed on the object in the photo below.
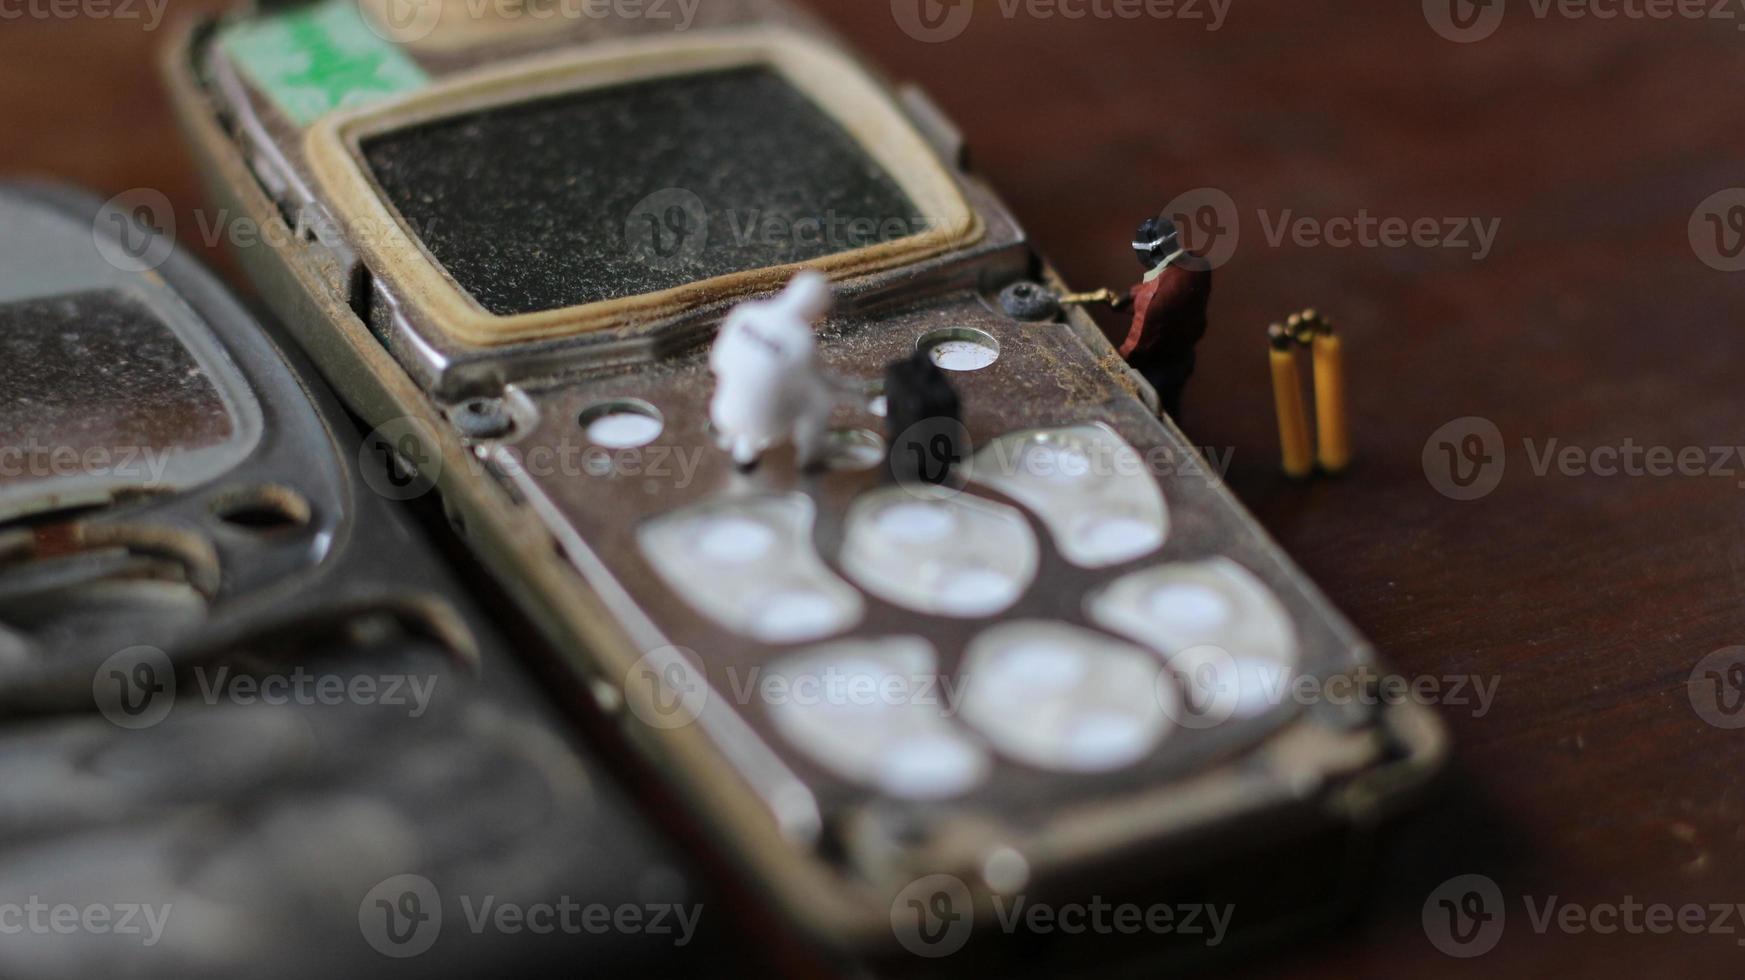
pixel 256 833
pixel 97 374
pixel 634 190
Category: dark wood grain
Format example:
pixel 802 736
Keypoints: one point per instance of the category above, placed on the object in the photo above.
pixel 1588 599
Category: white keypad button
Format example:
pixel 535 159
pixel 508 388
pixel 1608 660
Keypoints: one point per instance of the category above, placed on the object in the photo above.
pixel 749 564
pixel 948 554
pixel 1113 540
pixel 931 766
pixel 874 712
pixel 1224 635
pixel 795 615
pixel 1090 488
pixel 734 540
pixel 1058 697
pixel 1189 607
pixel 916 523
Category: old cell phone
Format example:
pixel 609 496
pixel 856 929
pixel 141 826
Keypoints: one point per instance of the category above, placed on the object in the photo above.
pixel 513 237
pixel 250 723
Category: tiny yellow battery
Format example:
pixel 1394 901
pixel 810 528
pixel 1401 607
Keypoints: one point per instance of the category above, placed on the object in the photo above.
pixel 1333 432
pixel 1293 421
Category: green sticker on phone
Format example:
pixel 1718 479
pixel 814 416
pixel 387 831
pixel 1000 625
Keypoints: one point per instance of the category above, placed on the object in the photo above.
pixel 320 59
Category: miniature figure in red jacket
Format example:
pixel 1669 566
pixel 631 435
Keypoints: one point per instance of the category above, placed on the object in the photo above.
pixel 1169 311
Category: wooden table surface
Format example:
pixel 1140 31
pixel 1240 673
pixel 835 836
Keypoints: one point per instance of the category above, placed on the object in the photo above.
pixel 1593 322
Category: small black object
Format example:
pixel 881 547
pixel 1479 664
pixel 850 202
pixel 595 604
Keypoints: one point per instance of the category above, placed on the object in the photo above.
pixel 1157 239
pixel 1029 301
pixel 924 419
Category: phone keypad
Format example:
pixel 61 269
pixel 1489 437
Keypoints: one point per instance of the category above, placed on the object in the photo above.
pixel 1174 645
pixel 1089 487
pixel 1220 628
pixel 1049 598
pixel 938 553
pixel 750 565
pixel 874 713
pixel 1059 697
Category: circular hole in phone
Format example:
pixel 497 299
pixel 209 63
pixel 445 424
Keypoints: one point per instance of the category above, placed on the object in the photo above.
pixel 266 509
pixel 960 349
pixel 622 424
pixel 876 402
pixel 484 418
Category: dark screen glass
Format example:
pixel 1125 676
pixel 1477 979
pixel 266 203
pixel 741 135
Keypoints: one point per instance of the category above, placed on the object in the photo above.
pixel 98 371
pixel 635 189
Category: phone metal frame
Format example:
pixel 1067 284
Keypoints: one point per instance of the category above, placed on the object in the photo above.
pixel 516 538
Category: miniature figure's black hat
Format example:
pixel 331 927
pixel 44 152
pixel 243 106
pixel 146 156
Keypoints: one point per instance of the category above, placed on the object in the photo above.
pixel 1157 239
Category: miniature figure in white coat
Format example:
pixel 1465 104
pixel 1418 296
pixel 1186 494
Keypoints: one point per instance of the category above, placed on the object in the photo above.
pixel 769 385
